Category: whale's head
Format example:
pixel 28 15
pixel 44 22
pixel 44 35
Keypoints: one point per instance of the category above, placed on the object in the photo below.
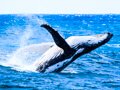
pixel 85 44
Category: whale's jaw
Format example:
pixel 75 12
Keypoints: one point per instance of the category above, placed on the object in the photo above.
pixel 85 44
pixel 93 41
pixel 102 39
pixel 97 41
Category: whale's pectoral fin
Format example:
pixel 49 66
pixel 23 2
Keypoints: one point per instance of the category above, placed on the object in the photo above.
pixel 60 42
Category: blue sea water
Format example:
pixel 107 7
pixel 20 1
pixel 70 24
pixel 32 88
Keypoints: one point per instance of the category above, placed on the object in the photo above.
pixel 97 70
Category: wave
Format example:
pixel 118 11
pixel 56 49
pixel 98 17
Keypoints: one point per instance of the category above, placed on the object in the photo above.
pixel 113 45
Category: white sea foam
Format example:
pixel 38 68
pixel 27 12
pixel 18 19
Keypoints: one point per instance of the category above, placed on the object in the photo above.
pixel 24 57
pixel 114 45
pixel 26 35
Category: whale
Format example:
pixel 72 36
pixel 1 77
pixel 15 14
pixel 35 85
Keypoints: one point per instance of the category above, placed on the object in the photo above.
pixel 65 51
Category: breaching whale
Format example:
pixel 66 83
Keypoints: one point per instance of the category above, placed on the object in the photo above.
pixel 64 52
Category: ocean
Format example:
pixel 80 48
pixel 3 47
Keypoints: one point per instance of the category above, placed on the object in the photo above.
pixel 97 70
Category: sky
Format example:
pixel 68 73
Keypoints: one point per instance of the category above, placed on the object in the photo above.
pixel 60 7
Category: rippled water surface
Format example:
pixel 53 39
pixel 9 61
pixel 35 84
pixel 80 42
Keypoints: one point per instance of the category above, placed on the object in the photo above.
pixel 97 70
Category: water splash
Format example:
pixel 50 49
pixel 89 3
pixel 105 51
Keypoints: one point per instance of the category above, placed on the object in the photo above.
pixel 24 57
pixel 26 36
pixel 25 52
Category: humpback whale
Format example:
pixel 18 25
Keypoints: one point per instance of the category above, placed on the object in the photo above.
pixel 64 52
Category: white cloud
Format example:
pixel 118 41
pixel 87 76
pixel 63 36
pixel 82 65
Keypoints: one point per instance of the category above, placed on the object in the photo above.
pixel 60 6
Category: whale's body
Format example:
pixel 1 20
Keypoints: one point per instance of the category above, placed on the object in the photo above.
pixel 64 52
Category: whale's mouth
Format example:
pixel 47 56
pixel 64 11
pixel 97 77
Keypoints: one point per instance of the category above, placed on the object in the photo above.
pixel 97 41
pixel 103 38
pixel 109 36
